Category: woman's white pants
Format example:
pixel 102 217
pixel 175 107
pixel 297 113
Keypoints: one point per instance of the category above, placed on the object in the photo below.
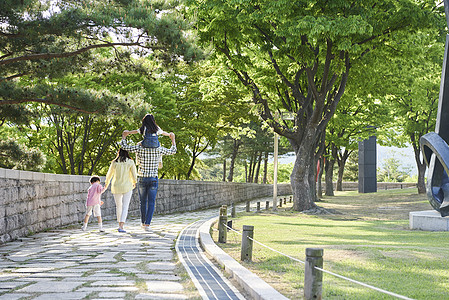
pixel 122 205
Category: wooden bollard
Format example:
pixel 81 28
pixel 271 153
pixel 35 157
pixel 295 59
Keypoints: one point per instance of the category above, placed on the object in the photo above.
pixel 222 221
pixel 247 205
pixel 291 199
pixel 258 206
pixel 313 278
pixel 285 200
pixel 247 244
pixel 280 203
pixel 233 210
pixel 267 205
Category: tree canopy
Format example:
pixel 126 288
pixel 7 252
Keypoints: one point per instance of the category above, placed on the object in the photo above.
pixel 74 74
pixel 41 41
pixel 296 56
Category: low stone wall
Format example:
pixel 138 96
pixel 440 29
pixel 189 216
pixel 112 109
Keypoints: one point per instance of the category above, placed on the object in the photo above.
pixel 354 186
pixel 32 202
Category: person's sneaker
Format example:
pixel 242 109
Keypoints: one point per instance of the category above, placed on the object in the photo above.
pixel 121 230
pixel 84 228
pixel 147 228
pixel 101 229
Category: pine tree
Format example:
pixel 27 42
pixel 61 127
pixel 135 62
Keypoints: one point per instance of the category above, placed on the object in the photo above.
pixel 41 41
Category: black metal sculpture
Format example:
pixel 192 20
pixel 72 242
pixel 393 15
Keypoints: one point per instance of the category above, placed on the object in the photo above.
pixel 434 145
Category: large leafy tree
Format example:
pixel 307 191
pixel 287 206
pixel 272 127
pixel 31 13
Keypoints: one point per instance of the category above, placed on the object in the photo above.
pixel 412 90
pixel 209 106
pixel 360 114
pixel 355 120
pixel 297 55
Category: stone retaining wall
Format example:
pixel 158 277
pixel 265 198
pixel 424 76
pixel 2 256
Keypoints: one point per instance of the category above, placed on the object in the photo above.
pixel 32 202
pixel 354 186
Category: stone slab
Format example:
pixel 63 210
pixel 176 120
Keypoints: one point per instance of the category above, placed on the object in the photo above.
pixel 109 289
pixel 112 295
pixel 65 296
pixel 161 266
pixel 157 296
pixel 51 286
pixel 166 277
pixel 14 296
pixel 164 286
pixel 11 284
pixel 37 279
pixel 113 283
pixel 31 270
pixel 55 275
pixel 428 220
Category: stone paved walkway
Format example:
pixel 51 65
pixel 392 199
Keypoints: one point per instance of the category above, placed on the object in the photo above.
pixel 72 264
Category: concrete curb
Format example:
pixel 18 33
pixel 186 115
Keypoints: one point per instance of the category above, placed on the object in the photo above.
pixel 249 281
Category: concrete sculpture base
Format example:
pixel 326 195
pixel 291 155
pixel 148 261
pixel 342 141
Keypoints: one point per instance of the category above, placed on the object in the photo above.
pixel 428 220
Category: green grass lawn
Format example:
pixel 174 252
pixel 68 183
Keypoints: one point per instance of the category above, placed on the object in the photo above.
pixel 366 238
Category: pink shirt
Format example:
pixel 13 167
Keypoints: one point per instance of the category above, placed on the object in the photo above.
pixel 94 194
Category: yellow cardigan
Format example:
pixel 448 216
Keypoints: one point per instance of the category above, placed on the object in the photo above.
pixel 123 175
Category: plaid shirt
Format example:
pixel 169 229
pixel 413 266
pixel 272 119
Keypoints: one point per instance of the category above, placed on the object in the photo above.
pixel 147 158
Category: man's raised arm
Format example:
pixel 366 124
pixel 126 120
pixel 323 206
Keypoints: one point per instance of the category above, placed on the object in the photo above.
pixel 124 143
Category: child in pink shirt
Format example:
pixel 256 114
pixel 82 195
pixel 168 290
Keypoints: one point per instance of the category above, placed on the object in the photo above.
pixel 93 202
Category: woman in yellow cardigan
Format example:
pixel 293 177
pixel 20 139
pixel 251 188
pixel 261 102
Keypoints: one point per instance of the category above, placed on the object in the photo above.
pixel 123 174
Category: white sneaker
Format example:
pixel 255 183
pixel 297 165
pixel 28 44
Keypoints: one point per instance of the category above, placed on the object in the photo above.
pixel 101 229
pixel 84 228
pixel 147 228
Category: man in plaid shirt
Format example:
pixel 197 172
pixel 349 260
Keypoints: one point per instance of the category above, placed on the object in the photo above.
pixel 148 161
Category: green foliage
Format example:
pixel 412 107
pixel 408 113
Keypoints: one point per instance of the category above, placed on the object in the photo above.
pixel 352 168
pixel 284 171
pixel 15 156
pixel 296 56
pixel 410 90
pixel 391 171
pixel 208 106
pixel 42 42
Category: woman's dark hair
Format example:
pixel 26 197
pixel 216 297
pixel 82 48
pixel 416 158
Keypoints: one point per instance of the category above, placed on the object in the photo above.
pixel 122 156
pixel 149 123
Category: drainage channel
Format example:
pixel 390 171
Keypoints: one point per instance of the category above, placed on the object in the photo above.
pixel 209 281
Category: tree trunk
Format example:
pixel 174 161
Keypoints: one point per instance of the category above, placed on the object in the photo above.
pixel 235 151
pixel 192 164
pixel 341 161
pixel 224 170
pixel 341 169
pixel 420 164
pixel 86 136
pixel 319 177
pixel 421 179
pixel 265 168
pixel 250 169
pixel 329 176
pixel 304 172
pixel 60 148
pixel 246 171
pixel 329 166
pixel 259 160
